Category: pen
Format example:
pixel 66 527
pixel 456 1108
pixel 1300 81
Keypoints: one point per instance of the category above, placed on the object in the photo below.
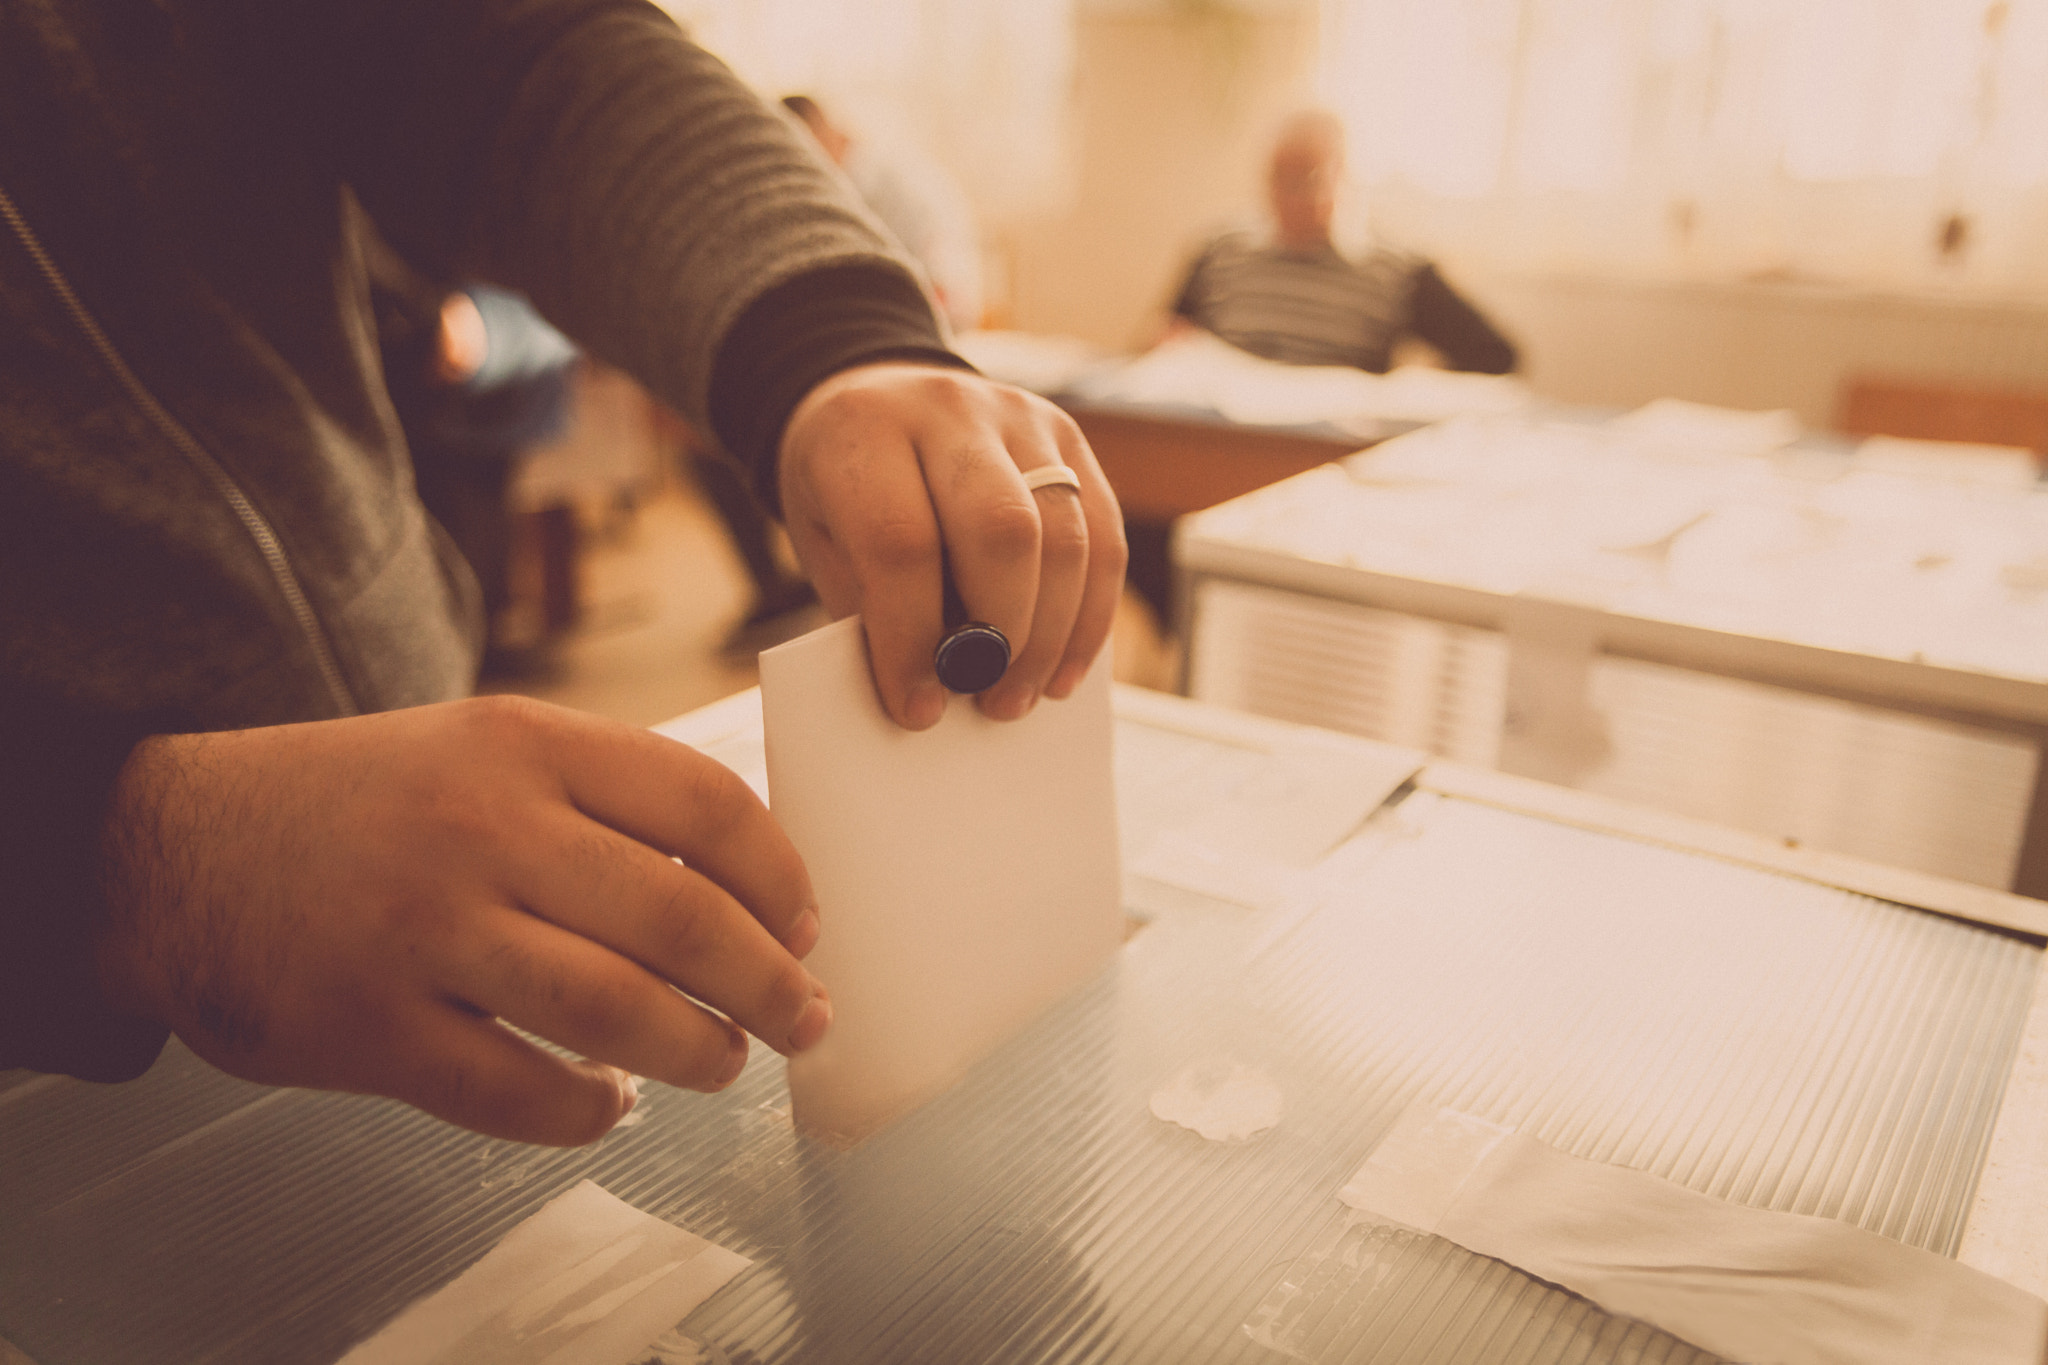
pixel 972 655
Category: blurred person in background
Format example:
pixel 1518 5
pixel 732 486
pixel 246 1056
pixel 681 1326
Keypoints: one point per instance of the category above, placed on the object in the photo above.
pixel 479 380
pixel 917 202
pixel 1291 294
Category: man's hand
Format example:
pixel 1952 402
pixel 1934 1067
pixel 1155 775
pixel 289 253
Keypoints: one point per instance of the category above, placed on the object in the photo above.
pixel 882 465
pixel 356 904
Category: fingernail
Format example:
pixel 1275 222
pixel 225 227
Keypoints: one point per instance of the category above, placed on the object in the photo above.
pixel 803 935
pixel 1013 705
pixel 629 1092
pixel 927 705
pixel 1065 681
pixel 811 1024
pixel 735 1063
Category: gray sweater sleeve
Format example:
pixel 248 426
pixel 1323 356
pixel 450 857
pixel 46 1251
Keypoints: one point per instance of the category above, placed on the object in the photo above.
pixel 587 153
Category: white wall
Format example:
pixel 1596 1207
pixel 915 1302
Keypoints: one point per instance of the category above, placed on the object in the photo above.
pixel 1173 106
pixel 1620 342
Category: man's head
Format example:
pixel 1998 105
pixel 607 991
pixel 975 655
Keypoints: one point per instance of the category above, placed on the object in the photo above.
pixel 1301 182
pixel 829 137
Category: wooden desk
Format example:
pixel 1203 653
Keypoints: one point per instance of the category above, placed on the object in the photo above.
pixel 1164 465
pixel 1753 1022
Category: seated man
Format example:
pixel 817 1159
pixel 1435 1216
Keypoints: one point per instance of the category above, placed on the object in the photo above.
pixel 1293 296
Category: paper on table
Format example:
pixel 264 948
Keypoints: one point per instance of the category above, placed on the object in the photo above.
pixel 967 875
pixel 1200 370
pixel 1749 1284
pixel 589 1280
pixel 1253 847
pixel 1700 430
pixel 1957 461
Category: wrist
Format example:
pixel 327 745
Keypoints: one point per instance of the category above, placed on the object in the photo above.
pixel 801 333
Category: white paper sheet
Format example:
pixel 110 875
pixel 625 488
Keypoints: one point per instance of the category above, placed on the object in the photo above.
pixel 1676 427
pixel 589 1280
pixel 967 875
pixel 1199 370
pixel 1745 1283
pixel 2013 467
pixel 1253 847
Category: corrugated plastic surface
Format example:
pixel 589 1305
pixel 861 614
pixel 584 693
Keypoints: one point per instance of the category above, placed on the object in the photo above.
pixel 1932 795
pixel 1758 1038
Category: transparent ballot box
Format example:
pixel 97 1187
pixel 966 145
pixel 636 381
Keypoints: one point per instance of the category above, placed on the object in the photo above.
pixel 1749 1031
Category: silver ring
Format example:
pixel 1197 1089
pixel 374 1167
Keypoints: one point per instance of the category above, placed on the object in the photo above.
pixel 1050 475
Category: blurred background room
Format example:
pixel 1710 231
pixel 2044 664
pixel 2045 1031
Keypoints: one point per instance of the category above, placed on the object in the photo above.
pixel 1689 442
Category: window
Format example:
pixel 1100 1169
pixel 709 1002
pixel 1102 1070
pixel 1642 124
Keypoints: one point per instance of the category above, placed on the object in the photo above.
pixel 1874 141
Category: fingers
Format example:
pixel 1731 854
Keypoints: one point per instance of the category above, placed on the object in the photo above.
pixel 1062 577
pixel 886 536
pixel 673 799
pixel 1108 555
pixel 882 464
pixel 477 1073
pixel 990 523
pixel 675 926
pixel 571 991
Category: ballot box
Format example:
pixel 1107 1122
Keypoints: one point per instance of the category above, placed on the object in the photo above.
pixel 1323 931
pixel 1842 647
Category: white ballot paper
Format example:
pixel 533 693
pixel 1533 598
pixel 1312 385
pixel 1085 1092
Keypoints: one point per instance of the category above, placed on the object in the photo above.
pixel 589 1280
pixel 1748 1284
pixel 967 875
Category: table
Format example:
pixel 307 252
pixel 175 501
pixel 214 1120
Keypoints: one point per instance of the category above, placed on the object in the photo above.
pixel 1799 643
pixel 1195 422
pixel 1166 462
pixel 1766 1025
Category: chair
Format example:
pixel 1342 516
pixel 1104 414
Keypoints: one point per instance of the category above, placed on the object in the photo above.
pixel 1936 410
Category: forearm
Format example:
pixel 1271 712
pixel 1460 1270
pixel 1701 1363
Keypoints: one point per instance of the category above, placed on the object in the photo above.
pixel 684 233
pixel 796 336
pixel 1448 321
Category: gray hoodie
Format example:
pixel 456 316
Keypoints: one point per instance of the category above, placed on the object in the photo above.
pixel 206 510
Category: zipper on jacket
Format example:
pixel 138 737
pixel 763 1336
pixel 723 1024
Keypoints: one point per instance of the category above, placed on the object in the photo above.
pixel 253 521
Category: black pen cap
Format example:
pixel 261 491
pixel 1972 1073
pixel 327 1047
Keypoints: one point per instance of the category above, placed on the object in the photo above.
pixel 972 658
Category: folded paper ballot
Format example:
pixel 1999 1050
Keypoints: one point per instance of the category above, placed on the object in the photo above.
pixel 588 1280
pixel 1746 1283
pixel 967 875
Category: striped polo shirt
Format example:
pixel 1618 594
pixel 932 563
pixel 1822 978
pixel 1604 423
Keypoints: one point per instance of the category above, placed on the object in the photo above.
pixel 1316 307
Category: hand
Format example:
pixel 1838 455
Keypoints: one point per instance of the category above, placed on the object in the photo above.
pixel 356 904
pixel 462 343
pixel 882 464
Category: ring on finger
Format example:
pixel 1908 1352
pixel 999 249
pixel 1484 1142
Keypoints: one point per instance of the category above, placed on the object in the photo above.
pixel 1052 476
